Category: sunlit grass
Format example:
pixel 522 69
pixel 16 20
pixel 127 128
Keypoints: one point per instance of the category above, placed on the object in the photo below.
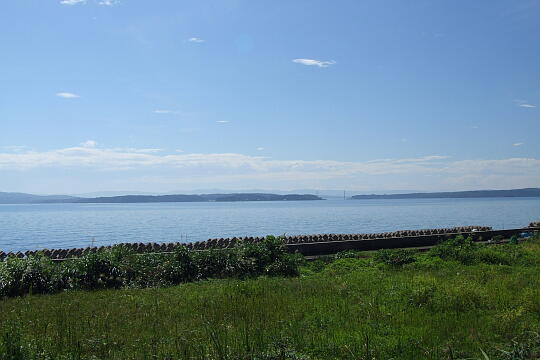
pixel 351 308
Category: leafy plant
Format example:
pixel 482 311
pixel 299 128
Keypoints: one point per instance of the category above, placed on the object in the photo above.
pixel 395 257
pixel 119 267
pixel 459 248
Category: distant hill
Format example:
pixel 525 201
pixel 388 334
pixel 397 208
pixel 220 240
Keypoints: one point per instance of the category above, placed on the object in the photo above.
pixel 21 198
pixel 197 198
pixel 141 199
pixel 529 192
pixel 259 197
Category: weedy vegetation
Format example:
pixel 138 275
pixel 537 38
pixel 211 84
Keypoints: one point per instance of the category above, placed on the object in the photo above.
pixel 459 300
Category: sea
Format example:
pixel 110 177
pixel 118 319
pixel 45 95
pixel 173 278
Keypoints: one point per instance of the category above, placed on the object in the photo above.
pixel 39 226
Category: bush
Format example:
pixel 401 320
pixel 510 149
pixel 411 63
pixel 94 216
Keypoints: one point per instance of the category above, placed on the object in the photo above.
pixel 346 266
pixel 461 298
pixel 422 294
pixel 178 268
pixel 347 254
pixel 514 240
pixel 97 270
pixel 460 249
pixel 34 275
pixel 118 267
pixel 395 257
pixel 492 255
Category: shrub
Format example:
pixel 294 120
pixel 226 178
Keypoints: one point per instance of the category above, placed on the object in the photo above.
pixel 460 249
pixel 422 294
pixel 34 275
pixel 285 265
pixel 220 264
pixel 514 240
pixel 492 255
pixel 460 298
pixel 97 270
pixel 347 254
pixel 119 267
pixel 426 262
pixel 346 266
pixel 178 268
pixel 395 257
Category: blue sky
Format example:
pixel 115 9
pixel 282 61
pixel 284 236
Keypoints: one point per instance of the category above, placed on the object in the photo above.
pixel 175 95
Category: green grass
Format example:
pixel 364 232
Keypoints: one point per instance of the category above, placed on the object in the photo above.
pixel 443 304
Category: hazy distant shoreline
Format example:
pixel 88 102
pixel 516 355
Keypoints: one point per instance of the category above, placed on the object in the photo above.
pixel 21 198
pixel 529 192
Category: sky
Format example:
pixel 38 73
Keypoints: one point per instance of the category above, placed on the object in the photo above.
pixel 169 95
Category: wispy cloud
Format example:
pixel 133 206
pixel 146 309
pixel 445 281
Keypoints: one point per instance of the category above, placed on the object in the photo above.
pixel 15 148
pixel 260 148
pixel 72 2
pixel 222 121
pixel 89 144
pixel 109 2
pixel 524 104
pixel 517 144
pixel 196 40
pixel 312 62
pixel 193 169
pixel 163 111
pixel 67 95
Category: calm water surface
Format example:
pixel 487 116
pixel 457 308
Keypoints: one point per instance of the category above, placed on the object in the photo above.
pixel 25 227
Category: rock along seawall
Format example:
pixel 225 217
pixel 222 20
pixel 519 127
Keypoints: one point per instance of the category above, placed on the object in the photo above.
pixel 309 245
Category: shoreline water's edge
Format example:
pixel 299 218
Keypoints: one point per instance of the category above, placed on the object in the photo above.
pixel 307 245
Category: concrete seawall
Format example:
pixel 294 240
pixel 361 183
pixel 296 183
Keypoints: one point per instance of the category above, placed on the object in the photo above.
pixel 309 245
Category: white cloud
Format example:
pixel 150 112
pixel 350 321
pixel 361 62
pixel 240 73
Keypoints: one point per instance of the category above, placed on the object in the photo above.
pixel 260 148
pixel 163 111
pixel 222 121
pixel 196 40
pixel 15 148
pixel 139 151
pixel 151 165
pixel 311 62
pixel 72 2
pixel 517 144
pixel 109 2
pixel 67 95
pixel 524 104
pixel 88 144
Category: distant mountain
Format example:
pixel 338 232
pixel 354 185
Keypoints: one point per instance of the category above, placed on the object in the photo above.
pixel 115 193
pixel 21 198
pixel 197 198
pixel 529 192
pixel 141 199
pixel 259 197
pixel 193 198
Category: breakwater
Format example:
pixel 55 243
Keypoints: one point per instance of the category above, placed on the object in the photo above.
pixel 309 245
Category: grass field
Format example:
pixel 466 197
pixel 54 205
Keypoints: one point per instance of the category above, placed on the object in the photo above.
pixel 458 301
